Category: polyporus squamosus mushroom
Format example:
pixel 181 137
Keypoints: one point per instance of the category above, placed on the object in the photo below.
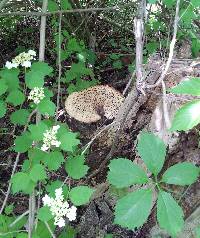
pixel 91 104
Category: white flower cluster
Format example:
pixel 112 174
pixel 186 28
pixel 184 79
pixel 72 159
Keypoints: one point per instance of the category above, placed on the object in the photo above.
pixel 23 59
pixel 59 208
pixel 50 138
pixel 36 94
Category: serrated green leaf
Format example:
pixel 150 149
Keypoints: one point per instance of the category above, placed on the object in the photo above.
pixel 15 97
pixel 80 195
pixel 181 174
pixel 20 117
pixel 69 141
pixel 23 143
pixel 36 155
pixel 44 214
pixel 3 87
pixel 117 64
pixel 75 167
pixel 33 79
pixel 190 87
pixel 187 117
pixel 169 214
pixel 37 173
pixel 53 160
pixel 38 130
pixel 124 173
pixel 10 77
pixel 21 182
pixel 2 108
pixel 47 107
pixel 133 210
pixel 42 68
pixel 152 150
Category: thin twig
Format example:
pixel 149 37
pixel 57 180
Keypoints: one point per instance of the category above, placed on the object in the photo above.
pixel 49 229
pixel 19 218
pixel 59 65
pixel 171 50
pixel 165 108
pixel 39 14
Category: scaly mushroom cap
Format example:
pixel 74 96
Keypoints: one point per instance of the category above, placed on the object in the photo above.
pixel 86 106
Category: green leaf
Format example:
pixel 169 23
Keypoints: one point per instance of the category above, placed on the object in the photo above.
pixel 9 209
pixel 23 143
pixel 44 214
pixel 53 160
pixel 41 231
pixel 75 167
pixel 38 173
pixel 152 150
pixel 124 173
pixel 69 141
pixel 21 182
pixel 181 174
pixel 10 77
pixel 38 130
pixel 36 155
pixel 3 87
pixel 33 79
pixel 195 3
pixel 20 117
pixel 69 232
pixel 52 6
pixel 197 232
pixel 169 214
pixel 2 108
pixel 117 64
pixel 65 5
pixel 80 195
pixel 152 1
pixel 191 87
pixel 47 107
pixel 187 117
pixel 15 97
pixel 42 68
pixel 50 188
pixel 133 210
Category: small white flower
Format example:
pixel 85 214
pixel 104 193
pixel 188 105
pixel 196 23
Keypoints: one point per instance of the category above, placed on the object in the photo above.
pixel 72 213
pixel 60 223
pixel 36 94
pixel 60 208
pixel 26 64
pixel 44 147
pixel 32 52
pixel 50 138
pixel 9 65
pixel 47 200
pixel 23 59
